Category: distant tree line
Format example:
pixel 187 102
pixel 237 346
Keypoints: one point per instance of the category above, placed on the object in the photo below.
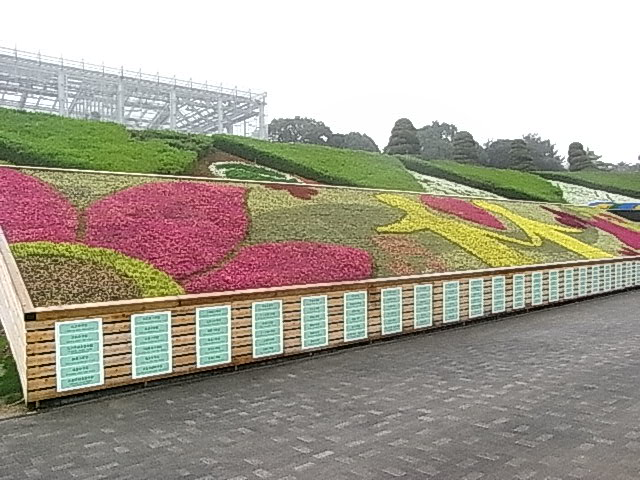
pixel 308 130
pixel 445 141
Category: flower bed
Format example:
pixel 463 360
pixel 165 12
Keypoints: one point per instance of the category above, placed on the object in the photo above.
pixel 440 186
pixel 580 195
pixel 245 171
pixel 88 237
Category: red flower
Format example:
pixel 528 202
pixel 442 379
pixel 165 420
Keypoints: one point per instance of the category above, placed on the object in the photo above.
pixel 463 209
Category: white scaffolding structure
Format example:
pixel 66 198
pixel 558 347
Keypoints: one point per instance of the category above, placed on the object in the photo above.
pixel 39 83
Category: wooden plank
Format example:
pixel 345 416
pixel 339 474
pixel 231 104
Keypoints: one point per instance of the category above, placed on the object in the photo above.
pixel 13 301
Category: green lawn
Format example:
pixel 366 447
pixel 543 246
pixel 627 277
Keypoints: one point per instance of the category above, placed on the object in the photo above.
pixel 508 183
pixel 323 164
pixel 614 182
pixel 10 390
pixel 51 141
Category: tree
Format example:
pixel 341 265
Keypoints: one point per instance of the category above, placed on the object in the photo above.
pixel 299 130
pixel 520 157
pixel 465 148
pixel 404 139
pixel 578 158
pixel 545 156
pixel 436 140
pixel 498 153
pixel 353 141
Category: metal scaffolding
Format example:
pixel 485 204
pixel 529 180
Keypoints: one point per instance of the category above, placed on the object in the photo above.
pixel 39 83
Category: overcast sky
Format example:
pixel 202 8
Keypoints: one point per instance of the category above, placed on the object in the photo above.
pixel 568 70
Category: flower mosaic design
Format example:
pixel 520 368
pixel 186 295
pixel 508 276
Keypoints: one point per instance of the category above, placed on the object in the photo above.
pixel 27 203
pixel 463 209
pixel 166 237
pixel 105 238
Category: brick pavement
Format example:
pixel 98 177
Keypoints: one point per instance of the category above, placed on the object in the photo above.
pixel 547 395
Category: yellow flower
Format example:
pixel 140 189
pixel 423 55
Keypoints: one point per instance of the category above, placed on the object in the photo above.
pixel 486 245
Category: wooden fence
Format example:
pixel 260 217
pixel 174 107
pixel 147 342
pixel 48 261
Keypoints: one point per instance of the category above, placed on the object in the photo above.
pixel 75 349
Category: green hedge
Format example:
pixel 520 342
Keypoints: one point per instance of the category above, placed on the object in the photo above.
pixel 323 164
pixel 614 182
pixel 507 183
pixel 50 141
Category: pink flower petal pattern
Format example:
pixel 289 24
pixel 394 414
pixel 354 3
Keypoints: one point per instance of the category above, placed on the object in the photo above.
pixel 629 237
pixel 34 211
pixel 625 235
pixel 290 263
pixel 178 227
pixel 463 209
pixel 567 219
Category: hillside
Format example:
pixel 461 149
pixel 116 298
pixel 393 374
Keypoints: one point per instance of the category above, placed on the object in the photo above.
pixel 50 141
pixel 507 183
pixel 85 237
pixel 614 182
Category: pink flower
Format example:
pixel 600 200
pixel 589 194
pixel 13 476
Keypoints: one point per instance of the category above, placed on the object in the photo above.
pixel 27 206
pixel 567 219
pixel 625 235
pixel 178 227
pixel 629 237
pixel 463 209
pixel 291 263
pixel 185 229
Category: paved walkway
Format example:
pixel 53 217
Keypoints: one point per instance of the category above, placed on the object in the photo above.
pixel 548 395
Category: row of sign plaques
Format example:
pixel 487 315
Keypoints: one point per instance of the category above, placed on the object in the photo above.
pixel 79 344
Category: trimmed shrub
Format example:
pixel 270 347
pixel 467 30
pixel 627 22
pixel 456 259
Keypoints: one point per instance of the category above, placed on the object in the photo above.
pixel 404 139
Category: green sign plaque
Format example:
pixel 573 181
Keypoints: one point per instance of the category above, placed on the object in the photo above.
pixel 583 280
pixel 569 285
pixel 391 310
pixel 554 286
pixel 476 297
pixel 267 328
pixel 213 336
pixel 314 321
pixel 518 291
pixel 451 301
pixel 151 344
pixel 79 355
pixel 618 282
pixel 536 288
pixel 422 306
pixel 595 279
pixel 355 316
pixel 498 293
pixel 607 277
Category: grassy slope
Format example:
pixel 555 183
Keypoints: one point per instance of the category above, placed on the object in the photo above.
pixel 324 164
pixel 48 140
pixel 621 183
pixel 10 391
pixel 508 183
